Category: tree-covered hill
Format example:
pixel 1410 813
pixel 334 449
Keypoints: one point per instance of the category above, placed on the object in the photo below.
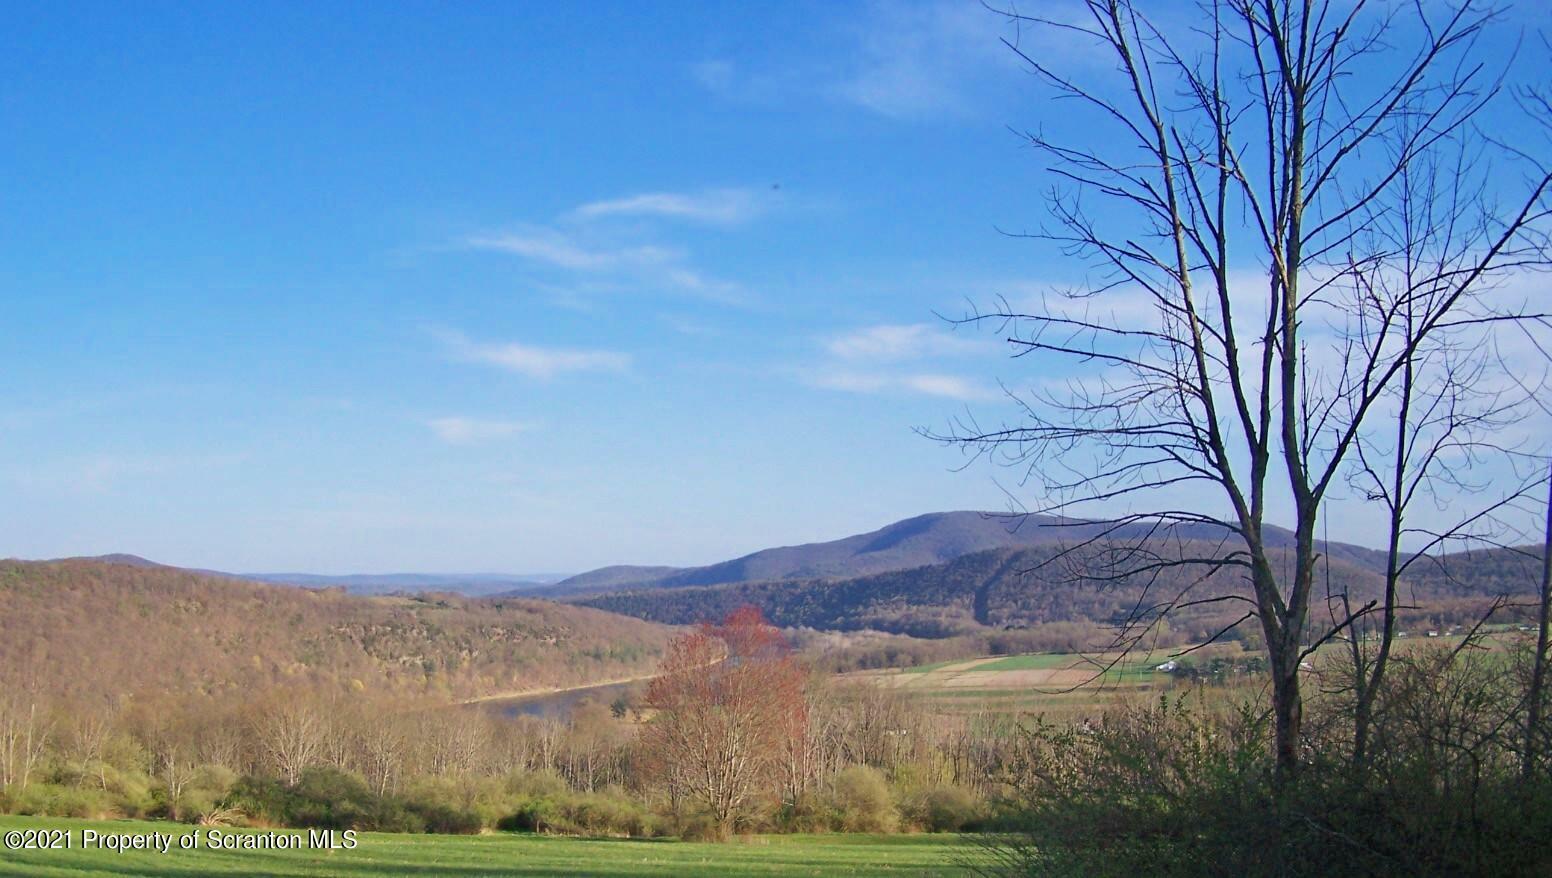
pixel 125 628
pixel 1025 587
pixel 936 538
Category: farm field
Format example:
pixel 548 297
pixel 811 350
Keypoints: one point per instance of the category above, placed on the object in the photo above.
pixel 1053 683
pixel 1065 686
pixel 379 854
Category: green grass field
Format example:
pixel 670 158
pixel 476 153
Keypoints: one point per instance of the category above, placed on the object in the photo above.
pixel 432 856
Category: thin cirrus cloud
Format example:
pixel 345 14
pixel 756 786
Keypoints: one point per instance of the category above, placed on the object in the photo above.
pixel 869 360
pixel 901 342
pixel 920 383
pixel 591 262
pixel 553 248
pixel 715 206
pixel 906 59
pixel 468 431
pixel 534 361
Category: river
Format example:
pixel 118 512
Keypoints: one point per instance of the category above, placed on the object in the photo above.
pixel 559 705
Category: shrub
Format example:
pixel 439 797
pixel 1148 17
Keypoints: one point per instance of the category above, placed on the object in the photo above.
pixel 130 790
pixel 326 798
pixel 701 827
pixel 809 814
pixel 863 801
pixel 438 817
pixel 393 815
pixel 447 805
pixel 944 809
pixel 53 800
pixel 265 800
pixel 329 798
pixel 581 814
pixel 209 787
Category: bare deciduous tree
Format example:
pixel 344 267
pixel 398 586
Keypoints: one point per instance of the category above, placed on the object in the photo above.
pixel 1263 320
pixel 292 737
pixel 1536 101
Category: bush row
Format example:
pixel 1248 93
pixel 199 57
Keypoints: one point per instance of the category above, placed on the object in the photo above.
pixel 858 799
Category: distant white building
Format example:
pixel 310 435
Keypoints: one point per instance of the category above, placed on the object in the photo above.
pixel 1168 667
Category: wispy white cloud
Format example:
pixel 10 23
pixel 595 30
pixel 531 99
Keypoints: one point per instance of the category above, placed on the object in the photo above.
pixel 715 206
pixel 904 59
pixel 534 361
pixel 871 360
pixel 553 248
pixel 607 267
pixel 874 382
pixel 902 342
pixel 950 386
pixel 916 59
pixel 468 431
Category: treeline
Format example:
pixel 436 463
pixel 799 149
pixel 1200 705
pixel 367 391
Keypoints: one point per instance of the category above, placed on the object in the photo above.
pixel 100 628
pixel 349 759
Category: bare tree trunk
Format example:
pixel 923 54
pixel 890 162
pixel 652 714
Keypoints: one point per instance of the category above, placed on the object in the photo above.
pixel 1287 716
pixel 1538 676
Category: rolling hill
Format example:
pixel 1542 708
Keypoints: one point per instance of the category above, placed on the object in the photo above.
pixel 934 538
pixel 1013 588
pixel 468 584
pixel 88 626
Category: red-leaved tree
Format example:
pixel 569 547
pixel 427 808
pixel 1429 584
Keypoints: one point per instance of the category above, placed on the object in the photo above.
pixel 727 705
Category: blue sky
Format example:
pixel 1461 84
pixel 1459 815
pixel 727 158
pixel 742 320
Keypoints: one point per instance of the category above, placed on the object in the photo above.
pixel 525 287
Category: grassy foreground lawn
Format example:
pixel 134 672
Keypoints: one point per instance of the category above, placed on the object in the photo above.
pixel 499 854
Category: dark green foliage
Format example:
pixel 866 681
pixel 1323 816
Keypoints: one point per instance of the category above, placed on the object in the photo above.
pixel 327 798
pixel 944 809
pixel 595 814
pixel 442 818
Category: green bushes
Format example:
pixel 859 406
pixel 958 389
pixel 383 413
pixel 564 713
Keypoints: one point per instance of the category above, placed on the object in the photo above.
pixel 943 809
pixel 581 814
pixel 334 799
pixel 445 819
pixel 54 800
pixel 863 802
pixel 328 798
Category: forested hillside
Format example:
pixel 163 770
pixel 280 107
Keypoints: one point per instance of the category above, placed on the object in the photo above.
pixel 935 538
pixel 1019 588
pixel 123 629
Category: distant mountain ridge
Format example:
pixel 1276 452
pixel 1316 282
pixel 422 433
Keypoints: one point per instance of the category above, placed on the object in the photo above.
pixel 467 584
pixel 934 538
pixel 1024 587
